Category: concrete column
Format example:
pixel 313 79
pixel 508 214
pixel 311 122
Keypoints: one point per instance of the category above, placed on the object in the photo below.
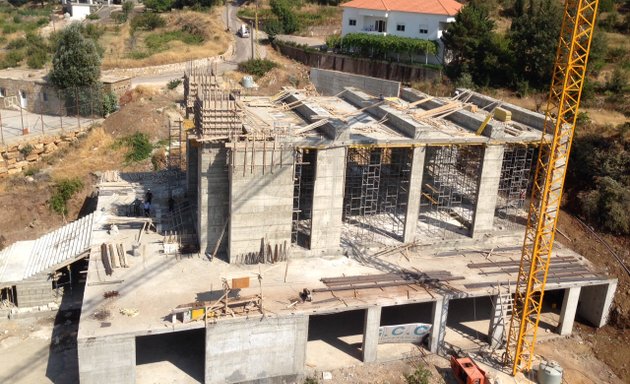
pixel 488 187
pixel 569 308
pixel 105 360
pixel 415 188
pixel 438 327
pixel 595 302
pixel 370 334
pixel 328 198
pixel 497 326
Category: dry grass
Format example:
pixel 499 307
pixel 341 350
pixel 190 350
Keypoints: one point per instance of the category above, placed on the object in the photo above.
pixel 616 40
pixel 94 153
pixel 117 43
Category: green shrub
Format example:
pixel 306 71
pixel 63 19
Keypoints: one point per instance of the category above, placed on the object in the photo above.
pixel 147 22
pixel 159 5
pixel 173 84
pixel 282 9
pixel 8 29
pixel 110 103
pixel 93 16
pixel 13 58
pixel 26 150
pixel 17 43
pixel 311 380
pixel 158 42
pixel 138 147
pixel 257 67
pixel 420 376
pixel 273 27
pixel 127 7
pixel 64 189
pixel 36 57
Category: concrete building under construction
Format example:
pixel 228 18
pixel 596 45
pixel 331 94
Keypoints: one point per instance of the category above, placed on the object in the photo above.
pixel 326 227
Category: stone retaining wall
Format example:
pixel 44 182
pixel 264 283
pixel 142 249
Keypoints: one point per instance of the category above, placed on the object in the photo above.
pixel 17 157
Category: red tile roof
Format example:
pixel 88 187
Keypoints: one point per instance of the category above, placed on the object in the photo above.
pixel 434 7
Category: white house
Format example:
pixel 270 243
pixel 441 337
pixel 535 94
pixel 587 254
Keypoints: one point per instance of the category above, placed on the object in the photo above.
pixel 420 19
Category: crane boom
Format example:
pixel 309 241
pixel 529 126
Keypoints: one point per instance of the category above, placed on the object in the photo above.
pixel 560 116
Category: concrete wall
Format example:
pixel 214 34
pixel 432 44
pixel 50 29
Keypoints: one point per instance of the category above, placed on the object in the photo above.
pixel 332 82
pixel 212 195
pixel 328 198
pixel 595 302
pixel 34 292
pixel 248 350
pixel 361 66
pixel 261 199
pixel 39 96
pixel 107 360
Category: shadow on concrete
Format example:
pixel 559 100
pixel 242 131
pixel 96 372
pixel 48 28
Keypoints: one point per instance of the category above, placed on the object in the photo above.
pixel 63 361
pixel 186 350
pixel 330 329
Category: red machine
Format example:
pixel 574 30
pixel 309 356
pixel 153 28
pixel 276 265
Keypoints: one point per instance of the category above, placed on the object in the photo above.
pixel 467 372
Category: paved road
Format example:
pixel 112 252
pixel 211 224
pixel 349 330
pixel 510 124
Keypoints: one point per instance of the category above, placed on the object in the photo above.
pixel 12 124
pixel 242 51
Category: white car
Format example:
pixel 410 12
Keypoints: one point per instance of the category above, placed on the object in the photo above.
pixel 243 31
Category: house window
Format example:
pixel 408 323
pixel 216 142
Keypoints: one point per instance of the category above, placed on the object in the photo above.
pixel 352 22
pixel 44 96
pixel 400 27
pixel 2 92
pixel 424 29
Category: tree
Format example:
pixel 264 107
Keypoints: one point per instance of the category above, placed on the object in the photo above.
pixel 475 48
pixel 534 38
pixel 159 5
pixel 285 14
pixel 76 62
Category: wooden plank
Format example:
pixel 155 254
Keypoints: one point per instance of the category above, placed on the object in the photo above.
pixel 240 282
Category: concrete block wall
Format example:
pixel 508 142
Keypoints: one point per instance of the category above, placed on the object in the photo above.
pixel 269 350
pixel 34 292
pixel 212 195
pixel 192 170
pixel 330 83
pixel 328 198
pixel 106 360
pixel 261 199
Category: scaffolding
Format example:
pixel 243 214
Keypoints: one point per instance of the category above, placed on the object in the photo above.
pixel 450 186
pixel 377 191
pixel 515 182
pixel 303 187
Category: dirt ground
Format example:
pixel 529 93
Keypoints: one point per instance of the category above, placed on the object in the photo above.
pixel 24 199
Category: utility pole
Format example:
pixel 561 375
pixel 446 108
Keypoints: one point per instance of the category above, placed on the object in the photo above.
pixel 227 15
pixel 254 32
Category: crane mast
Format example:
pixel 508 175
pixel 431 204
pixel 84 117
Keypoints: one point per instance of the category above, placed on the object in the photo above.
pixel 560 117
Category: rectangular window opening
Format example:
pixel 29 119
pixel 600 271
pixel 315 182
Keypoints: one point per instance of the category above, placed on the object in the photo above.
pixel 352 22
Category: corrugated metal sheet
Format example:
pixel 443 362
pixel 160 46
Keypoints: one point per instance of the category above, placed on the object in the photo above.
pixel 24 259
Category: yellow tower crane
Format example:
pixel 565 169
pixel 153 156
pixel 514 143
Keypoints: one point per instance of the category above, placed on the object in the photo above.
pixel 561 113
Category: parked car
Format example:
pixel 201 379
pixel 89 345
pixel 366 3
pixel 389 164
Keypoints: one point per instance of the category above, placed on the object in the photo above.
pixel 243 31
